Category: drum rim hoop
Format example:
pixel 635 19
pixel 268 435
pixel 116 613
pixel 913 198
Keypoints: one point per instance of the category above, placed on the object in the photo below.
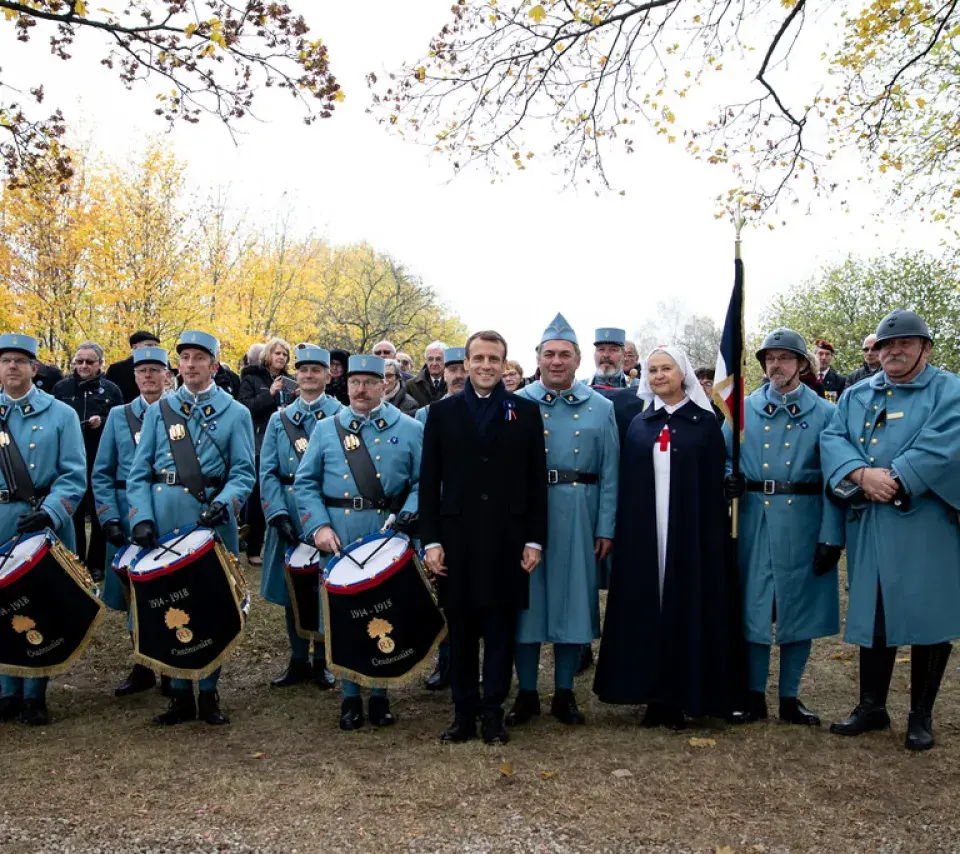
pixel 376 580
pixel 175 565
pixel 31 562
pixel 113 564
pixel 369 538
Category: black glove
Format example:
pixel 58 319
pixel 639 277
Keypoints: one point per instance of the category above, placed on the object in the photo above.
pixel 145 535
pixel 734 486
pixel 407 522
pixel 825 558
pixel 32 523
pixel 285 529
pixel 215 515
pixel 114 533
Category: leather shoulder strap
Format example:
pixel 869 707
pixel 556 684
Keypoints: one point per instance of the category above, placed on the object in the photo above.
pixel 296 434
pixel 133 423
pixel 361 466
pixel 183 450
pixel 15 470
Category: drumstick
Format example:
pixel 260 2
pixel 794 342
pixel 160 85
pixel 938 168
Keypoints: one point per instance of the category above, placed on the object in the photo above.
pixel 13 548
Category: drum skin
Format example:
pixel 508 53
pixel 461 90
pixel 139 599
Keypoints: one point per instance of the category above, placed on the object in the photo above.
pixel 382 631
pixel 48 611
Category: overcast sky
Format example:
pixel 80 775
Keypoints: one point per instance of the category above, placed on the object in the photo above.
pixel 507 256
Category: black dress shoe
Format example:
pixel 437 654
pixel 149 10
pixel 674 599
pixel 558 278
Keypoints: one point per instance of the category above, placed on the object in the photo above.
pixel 351 713
pixel 139 679
pixel 492 729
pixel 322 677
pixel 296 673
pixel 586 659
pixel 10 708
pixel 525 706
pixel 792 711
pixel 182 708
pixel 378 710
pixel 564 708
pixel 673 718
pixel 34 713
pixel 919 731
pixel 755 710
pixel 208 709
pixel 864 718
pixel 166 687
pixel 653 716
pixel 462 729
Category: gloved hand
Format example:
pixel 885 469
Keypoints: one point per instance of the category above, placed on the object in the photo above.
pixel 407 522
pixel 34 522
pixel 114 533
pixel 145 535
pixel 825 558
pixel 215 515
pixel 285 529
pixel 734 486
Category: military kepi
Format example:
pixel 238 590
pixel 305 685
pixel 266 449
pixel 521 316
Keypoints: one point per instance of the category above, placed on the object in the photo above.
pixel 310 354
pixel 559 330
pixel 610 335
pixel 452 355
pixel 21 343
pixel 150 356
pixel 199 341
pixel 365 365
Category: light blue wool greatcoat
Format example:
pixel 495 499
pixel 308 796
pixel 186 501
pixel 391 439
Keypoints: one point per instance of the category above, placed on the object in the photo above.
pixel 112 465
pixel 394 441
pixel 580 435
pixel 278 463
pixel 778 534
pixel 47 432
pixel 914 555
pixel 222 431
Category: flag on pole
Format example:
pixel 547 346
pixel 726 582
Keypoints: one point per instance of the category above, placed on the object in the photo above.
pixel 728 380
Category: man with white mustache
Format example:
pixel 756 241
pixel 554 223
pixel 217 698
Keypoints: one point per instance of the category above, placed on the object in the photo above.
pixel 608 354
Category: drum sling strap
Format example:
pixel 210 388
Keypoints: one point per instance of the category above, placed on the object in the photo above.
pixel 365 475
pixel 19 483
pixel 296 434
pixel 183 450
pixel 133 423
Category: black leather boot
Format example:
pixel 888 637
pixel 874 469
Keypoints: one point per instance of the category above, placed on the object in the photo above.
pixel 378 710
pixel 524 708
pixel 792 711
pixel 139 679
pixel 209 709
pixel 351 713
pixel 927 664
pixel 34 713
pixel 492 729
pixel 870 715
pixel 586 659
pixel 439 680
pixel 463 728
pixel 755 709
pixel 182 708
pixel 10 708
pixel 564 707
pixel 296 673
pixel 322 677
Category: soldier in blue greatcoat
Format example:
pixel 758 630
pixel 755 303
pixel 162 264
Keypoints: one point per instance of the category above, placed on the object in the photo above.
pixel 891 454
pixel 221 431
pixel 583 452
pixel 47 435
pixel 790 534
pixel 609 347
pixel 333 510
pixel 108 479
pixel 280 456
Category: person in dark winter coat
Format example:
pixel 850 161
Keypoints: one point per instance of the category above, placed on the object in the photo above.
pixel 337 387
pixel 428 385
pixel 264 388
pixel 227 380
pixel 46 377
pixel 121 373
pixel 395 392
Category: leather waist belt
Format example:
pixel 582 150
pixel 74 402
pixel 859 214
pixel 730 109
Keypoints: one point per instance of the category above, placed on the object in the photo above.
pixel 7 496
pixel 358 503
pixel 782 487
pixel 171 478
pixel 558 476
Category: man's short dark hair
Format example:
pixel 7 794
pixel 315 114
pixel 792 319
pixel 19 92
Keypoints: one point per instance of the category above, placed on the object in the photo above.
pixel 705 374
pixel 487 335
pixel 142 335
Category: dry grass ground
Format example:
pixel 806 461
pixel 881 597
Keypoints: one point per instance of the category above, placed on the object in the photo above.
pixel 282 777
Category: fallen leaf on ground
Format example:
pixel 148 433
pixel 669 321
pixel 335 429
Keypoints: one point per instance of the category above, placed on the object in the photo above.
pixel 258 755
pixel 903 659
pixel 724 849
pixel 621 773
pixel 507 769
pixel 703 742
pixel 547 775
